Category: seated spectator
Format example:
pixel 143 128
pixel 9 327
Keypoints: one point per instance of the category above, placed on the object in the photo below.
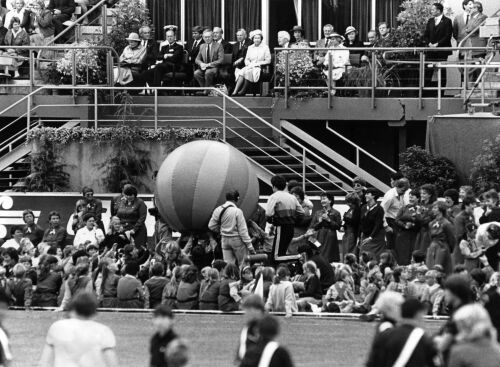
pixel 398 281
pixel 434 294
pixel 90 234
pixel 299 35
pixel 116 238
pixel 132 212
pixel 209 60
pixel 153 287
pixel 352 40
pixel 385 38
pixel 189 289
pixel 193 45
pixel 230 275
pixel 474 256
pixel 31 230
pixel 319 56
pixel 209 291
pixel 416 288
pixel 79 282
pixel 63 11
pixel 129 289
pixel 48 283
pixel 174 256
pixel 340 59
pixel 21 13
pixel 3 30
pixel 258 55
pixel 284 39
pixel 241 289
pixel 10 259
pixel 218 35
pixel 240 49
pixel 341 294
pixel 41 27
pixel 55 235
pixel 19 288
pixel 16 36
pixel 18 241
pixel 312 292
pixel 131 61
pixel 106 284
pixel 169 295
pixel 371 36
pixel 30 270
pixel 281 294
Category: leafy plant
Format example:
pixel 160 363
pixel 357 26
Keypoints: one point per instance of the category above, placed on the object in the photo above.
pixel 47 171
pixel 421 167
pixel 362 77
pixel 485 172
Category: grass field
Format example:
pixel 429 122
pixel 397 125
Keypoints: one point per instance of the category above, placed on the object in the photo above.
pixel 213 339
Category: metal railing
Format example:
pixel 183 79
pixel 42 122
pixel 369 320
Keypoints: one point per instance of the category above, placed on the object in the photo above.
pixel 471 33
pixel 380 59
pixel 306 155
pixel 77 23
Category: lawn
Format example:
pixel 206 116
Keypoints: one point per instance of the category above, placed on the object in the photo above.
pixel 213 338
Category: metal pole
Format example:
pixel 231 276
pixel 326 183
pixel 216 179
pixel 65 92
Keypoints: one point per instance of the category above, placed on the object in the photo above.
pixel 482 90
pixel 421 79
pixel 374 77
pixel 439 91
pixel 304 169
pixel 73 77
pixel 357 157
pixel 95 108
pixel 32 71
pixel 287 78
pixel 77 33
pixel 104 20
pixel 330 86
pixel 28 114
pixel 156 109
pixel 223 117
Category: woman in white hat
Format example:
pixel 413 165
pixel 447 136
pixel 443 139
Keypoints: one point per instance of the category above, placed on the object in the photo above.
pixel 131 60
pixel 339 55
pixel 258 55
pixel 352 40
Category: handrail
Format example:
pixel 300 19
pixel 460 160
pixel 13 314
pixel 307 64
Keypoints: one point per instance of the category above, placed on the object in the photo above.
pixel 479 80
pixel 469 35
pixel 359 149
pixel 73 25
pixel 22 100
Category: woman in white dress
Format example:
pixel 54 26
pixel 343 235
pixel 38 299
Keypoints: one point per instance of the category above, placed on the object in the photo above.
pixel 340 59
pixel 258 55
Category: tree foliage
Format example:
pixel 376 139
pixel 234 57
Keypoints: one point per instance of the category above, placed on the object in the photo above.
pixel 485 172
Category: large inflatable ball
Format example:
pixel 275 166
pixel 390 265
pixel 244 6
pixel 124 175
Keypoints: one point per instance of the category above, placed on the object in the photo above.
pixel 193 181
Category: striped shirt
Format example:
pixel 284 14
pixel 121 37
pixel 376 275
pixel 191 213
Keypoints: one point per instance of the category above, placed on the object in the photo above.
pixel 283 208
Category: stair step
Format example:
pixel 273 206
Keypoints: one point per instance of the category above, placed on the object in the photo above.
pixel 258 151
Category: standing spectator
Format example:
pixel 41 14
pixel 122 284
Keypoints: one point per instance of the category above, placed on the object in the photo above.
pixel 55 235
pixel 48 283
pixel 476 339
pixel 472 254
pixel 31 230
pixel 427 199
pixel 257 56
pixel 163 322
pixel 442 239
pixel 451 198
pixel 472 28
pixel 407 221
pixel 62 10
pixel 326 222
pixel 129 289
pixel 301 228
pixel 487 236
pixel 319 56
pixel 491 209
pixel 230 222
pixel 372 225
pixel 209 60
pixel 283 211
pixel 41 27
pixel 3 29
pixel 90 234
pixel 115 202
pixel 462 219
pixel 351 223
pixel 93 205
pixel 79 340
pixel 132 212
pixel 281 294
pixel 392 203
pixel 461 22
pixel 438 32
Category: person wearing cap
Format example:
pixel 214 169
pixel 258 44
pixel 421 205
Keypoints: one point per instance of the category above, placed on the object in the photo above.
pixel 319 56
pixel 79 340
pixel 254 309
pixel 257 56
pixel 299 35
pixel 209 61
pixel 90 234
pixel 339 56
pixel 193 45
pixel 163 323
pixel 131 61
pixel 352 40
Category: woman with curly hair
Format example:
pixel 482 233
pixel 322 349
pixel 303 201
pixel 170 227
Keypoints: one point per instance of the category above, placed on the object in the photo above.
pixel 189 289
pixel 350 224
pixel 48 284
pixel 428 197
pixel 442 234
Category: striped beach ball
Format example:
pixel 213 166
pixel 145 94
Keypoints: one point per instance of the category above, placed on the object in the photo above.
pixel 193 181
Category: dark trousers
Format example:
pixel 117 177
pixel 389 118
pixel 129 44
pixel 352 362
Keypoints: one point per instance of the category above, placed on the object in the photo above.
pixel 282 238
pixel 390 237
pixel 58 21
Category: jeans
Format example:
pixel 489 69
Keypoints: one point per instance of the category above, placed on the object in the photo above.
pixel 234 250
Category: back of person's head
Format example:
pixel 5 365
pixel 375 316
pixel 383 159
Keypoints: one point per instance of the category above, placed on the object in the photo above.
pixel 468 200
pixel 459 268
pixel 311 267
pixel 374 192
pixel 478 276
pixel 418 256
pixel 19 270
pixel 292 184
pixel 213 275
pixel 473 323
pixel 219 264
pixel 396 175
pixel 350 259
pixel 458 286
pixel 231 271
pixel 389 304
pixel 163 311
pixel 190 275
pixel 411 308
pixel 493 231
pixel 452 194
pixel 281 274
pixel 268 274
pixel 233 195
pixel 157 269
pixel 352 198
pixel 269 327
pixel 132 268
pixel 253 301
pixel 297 190
pixel 84 304
pixel 13 254
pixel 177 353
pixel 279 182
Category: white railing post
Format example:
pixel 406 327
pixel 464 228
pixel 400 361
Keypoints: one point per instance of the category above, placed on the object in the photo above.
pixel 156 109
pixel 330 90
pixel 224 118
pixel 28 113
pixel 95 108
pixel 304 169
pixel 439 89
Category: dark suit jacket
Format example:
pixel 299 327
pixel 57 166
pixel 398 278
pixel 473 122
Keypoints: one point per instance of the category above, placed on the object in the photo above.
pixel 175 49
pixel 65 6
pixel 217 52
pixel 241 52
pixel 440 34
pixel 193 52
pixel 228 48
pixel 151 53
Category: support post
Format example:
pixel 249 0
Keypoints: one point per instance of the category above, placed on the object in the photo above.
pixel 421 79
pixel 31 70
pixel 374 78
pixel 224 118
pixel 95 108
pixel 287 77
pixel 330 86
pixel 156 109
pixel 304 169
pixel 439 90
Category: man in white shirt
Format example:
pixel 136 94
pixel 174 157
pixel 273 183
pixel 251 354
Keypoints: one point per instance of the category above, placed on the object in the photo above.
pixel 229 220
pixel 90 234
pixel 392 203
pixel 79 341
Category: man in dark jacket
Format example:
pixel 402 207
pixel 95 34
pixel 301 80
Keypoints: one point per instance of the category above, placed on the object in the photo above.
pixel 63 10
pixel 163 336
pixel 193 45
pixel 151 46
pixel 240 48
pixel 437 34
pixel 406 344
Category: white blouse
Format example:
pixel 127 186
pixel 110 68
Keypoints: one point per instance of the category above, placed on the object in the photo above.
pixel 258 55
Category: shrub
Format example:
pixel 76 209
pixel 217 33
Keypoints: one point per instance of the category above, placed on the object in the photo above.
pixel 485 172
pixel 421 167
